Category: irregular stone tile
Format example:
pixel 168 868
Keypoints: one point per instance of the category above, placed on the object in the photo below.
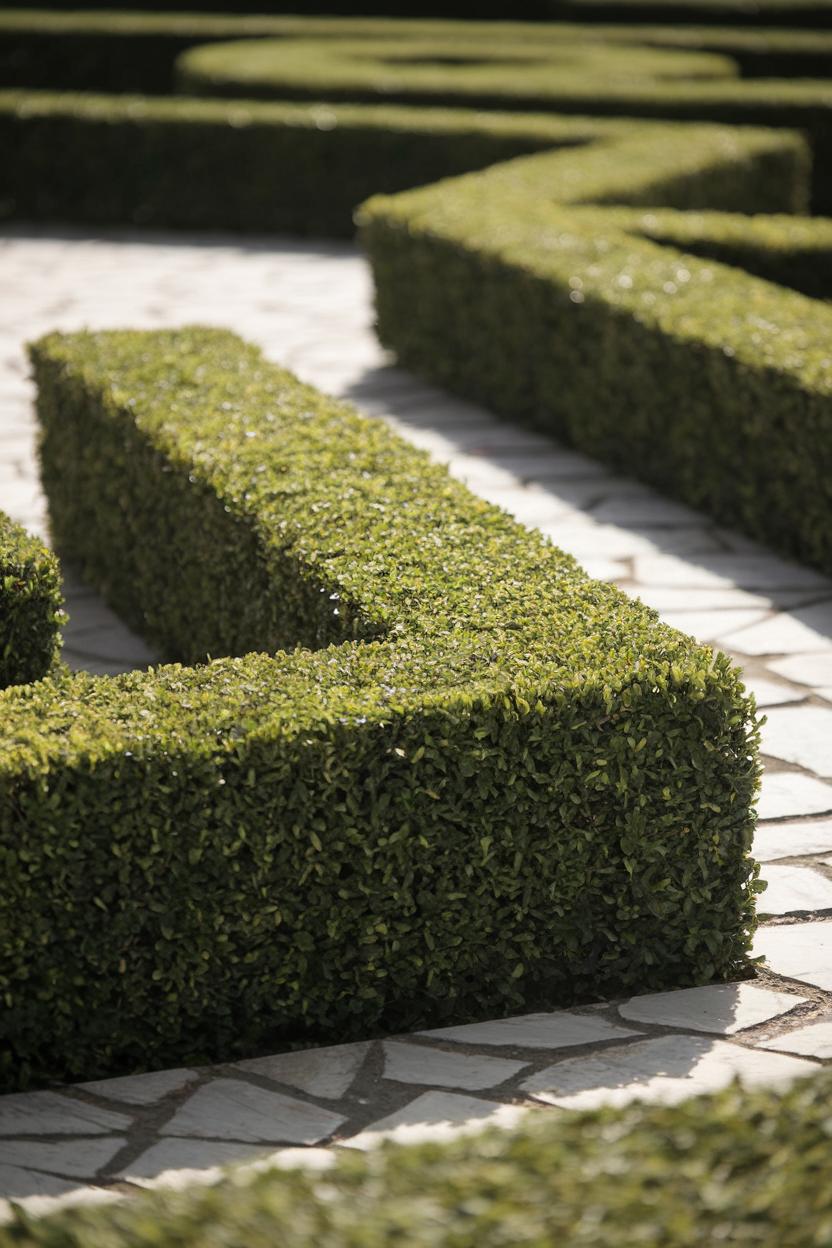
pixel 229 1109
pixel 803 631
pixel 788 793
pixel 558 1030
pixel 141 1089
pixel 645 509
pixel 327 1073
pixel 671 598
pixel 801 951
pixel 416 1063
pixel 81 1159
pixel 179 1162
pixel 667 1069
pixel 791 840
pixel 437 1116
pixel 40 1206
pixel 801 735
pixel 529 506
pixel 813 1040
pixel 720 1008
pixel 767 693
pixel 604 569
pixel 16 1182
pixel 711 626
pixel 792 890
pixel 806 669
pixel 753 572
pixel 49 1113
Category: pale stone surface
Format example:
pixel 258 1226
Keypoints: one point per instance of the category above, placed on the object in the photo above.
pixel 416 1063
pixel 41 1206
pixel 768 693
pixel 798 632
pixel 801 735
pixel 49 1113
pixel 753 572
pixel 180 1162
pixel 792 840
pixel 437 1116
pixel 794 889
pixel 141 1089
pixel 17 1183
pixel 668 1069
pixel 814 1040
pixel 559 1030
pixel 806 669
pixel 787 794
pixel 720 1008
pixel 711 626
pixel 73 1158
pixel 801 951
pixel 327 1073
pixel 723 600
pixel 229 1109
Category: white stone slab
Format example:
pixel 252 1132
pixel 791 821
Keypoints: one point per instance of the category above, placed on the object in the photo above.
pixel 73 1158
pixel 327 1072
pixel 813 1040
pixel 792 890
pixel 801 951
pixel 437 1116
pixel 788 794
pixel 642 509
pixel 753 572
pixel 179 1162
pixel 604 569
pixel 801 735
pixel 417 1063
pixel 667 1069
pixel 49 1113
pixel 791 840
pixel 229 1109
pixel 142 1089
pixel 768 693
pixel 558 1030
pixel 712 626
pixel 723 1009
pixel 806 669
pixel 671 598
pixel 804 631
pixel 41 1205
pixel 16 1182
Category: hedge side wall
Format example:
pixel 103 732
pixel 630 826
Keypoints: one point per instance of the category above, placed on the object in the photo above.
pixel 564 317
pixel 486 783
pixel 742 1167
pixel 30 606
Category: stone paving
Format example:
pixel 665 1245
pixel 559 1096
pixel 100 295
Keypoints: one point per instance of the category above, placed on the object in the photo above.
pixel 309 306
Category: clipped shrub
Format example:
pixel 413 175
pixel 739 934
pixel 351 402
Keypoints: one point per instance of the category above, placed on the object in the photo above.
pixel 609 80
pixel 483 781
pixel 741 1167
pixel 508 287
pixel 30 606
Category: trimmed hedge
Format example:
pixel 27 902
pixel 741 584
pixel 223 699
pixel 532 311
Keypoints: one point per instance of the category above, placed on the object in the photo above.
pixel 364 71
pixel 486 783
pixel 499 286
pixel 30 606
pixel 742 1167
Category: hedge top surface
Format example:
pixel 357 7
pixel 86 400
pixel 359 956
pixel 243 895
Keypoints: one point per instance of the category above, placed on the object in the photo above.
pixel 744 1167
pixel 443 67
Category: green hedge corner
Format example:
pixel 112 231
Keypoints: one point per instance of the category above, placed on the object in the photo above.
pixel 450 777
pixel 31 606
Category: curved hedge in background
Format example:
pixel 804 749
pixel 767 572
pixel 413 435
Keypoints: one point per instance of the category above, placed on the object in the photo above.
pixel 743 1167
pixel 30 606
pixel 487 782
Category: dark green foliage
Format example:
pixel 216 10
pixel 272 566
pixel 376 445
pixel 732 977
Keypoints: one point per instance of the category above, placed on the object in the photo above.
pixel 30 606
pixel 209 164
pixel 488 782
pixel 501 287
pixel 741 1167
pixel 816 14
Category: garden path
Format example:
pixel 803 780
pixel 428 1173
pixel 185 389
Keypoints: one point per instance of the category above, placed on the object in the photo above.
pixel 309 306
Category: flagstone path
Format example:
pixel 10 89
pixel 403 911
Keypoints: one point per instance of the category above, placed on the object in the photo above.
pixel 309 306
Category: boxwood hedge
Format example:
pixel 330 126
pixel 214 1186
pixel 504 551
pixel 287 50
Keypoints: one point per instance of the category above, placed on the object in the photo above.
pixel 741 1167
pixel 451 777
pixel 30 606
pixel 509 287
pixel 518 76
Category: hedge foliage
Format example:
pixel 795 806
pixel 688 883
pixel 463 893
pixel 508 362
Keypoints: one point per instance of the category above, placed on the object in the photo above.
pixel 742 1167
pixel 30 606
pixel 518 76
pixel 483 782
pixel 564 316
